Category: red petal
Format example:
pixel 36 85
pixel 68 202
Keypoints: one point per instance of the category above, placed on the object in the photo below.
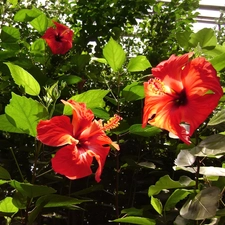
pixel 169 71
pixel 56 131
pixel 65 43
pixel 203 91
pixel 96 149
pixel 70 164
pixel 82 117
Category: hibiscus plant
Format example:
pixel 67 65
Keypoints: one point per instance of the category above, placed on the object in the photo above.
pixel 110 114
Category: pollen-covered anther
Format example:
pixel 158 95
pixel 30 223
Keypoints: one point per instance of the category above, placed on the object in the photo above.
pixel 156 86
pixel 112 123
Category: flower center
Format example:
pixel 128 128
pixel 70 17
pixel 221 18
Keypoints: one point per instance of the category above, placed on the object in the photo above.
pixel 181 99
pixel 58 37
pixel 112 123
pixel 156 86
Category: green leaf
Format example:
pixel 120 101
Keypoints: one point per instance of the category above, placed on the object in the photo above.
pixel 211 146
pixel 38 47
pixel 101 113
pixel 25 113
pixel 25 79
pixel 13 2
pixel 156 204
pixel 133 212
pixel 30 190
pixel 202 206
pixel 19 200
pixel 6 206
pixel 96 187
pixel 4 174
pixel 148 131
pixel 148 165
pixel 204 170
pixel 166 182
pixel 114 55
pixel 206 38
pixel 218 62
pixel 176 197
pixel 183 39
pixel 70 79
pixel 133 92
pixel 5 125
pixel 55 200
pixel 135 220
pixel 25 15
pixel 100 60
pixel 184 158
pixel 218 118
pixel 40 23
pixel 4 182
pixel 10 34
pixel 139 63
pixel 92 98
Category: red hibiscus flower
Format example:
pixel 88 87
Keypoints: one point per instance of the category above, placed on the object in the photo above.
pixel 82 139
pixel 184 91
pixel 59 38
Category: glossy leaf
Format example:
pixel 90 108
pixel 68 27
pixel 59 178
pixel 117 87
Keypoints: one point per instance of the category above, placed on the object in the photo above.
pixel 135 220
pixel 133 92
pixel 40 23
pixel 4 181
pixel 92 98
pixel 55 200
pixel 175 197
pixel 101 113
pixel 13 2
pixel 139 63
pixel 114 55
pixel 148 165
pixel 217 119
pixel 148 131
pixel 6 206
pixel 100 60
pixel 211 146
pixel 84 191
pixel 166 182
pixel 184 158
pixel 6 125
pixel 206 38
pixel 204 170
pixel 38 47
pixel 10 34
pixel 25 15
pixel 156 204
pixel 183 39
pixel 71 79
pixel 24 79
pixel 4 174
pixel 218 62
pixel 203 205
pixel 19 200
pixel 25 113
pixel 30 190
pixel 132 212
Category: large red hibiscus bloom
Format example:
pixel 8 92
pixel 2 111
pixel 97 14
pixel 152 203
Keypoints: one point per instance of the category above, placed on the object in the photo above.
pixel 184 91
pixel 59 38
pixel 82 139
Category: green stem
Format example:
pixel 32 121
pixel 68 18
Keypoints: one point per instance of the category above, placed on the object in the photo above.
pixel 37 152
pixel 18 167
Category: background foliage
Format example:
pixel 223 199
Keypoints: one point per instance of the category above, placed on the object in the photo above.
pixel 113 49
